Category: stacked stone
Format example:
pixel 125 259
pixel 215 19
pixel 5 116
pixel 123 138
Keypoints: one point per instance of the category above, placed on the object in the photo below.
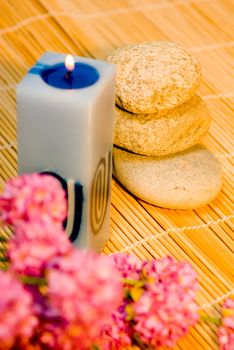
pixel 159 122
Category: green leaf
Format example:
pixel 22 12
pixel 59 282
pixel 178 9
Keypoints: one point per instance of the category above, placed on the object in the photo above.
pixel 215 320
pixel 34 281
pixel 227 312
pixel 130 312
pixel 136 293
pixel 140 284
pixel 95 347
pixel 129 281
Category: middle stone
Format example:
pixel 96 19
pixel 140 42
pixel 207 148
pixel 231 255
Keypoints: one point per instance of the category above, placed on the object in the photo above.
pixel 165 132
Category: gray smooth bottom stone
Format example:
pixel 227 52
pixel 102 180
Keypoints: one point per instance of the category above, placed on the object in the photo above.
pixel 185 180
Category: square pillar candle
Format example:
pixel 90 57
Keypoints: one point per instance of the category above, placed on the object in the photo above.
pixel 65 108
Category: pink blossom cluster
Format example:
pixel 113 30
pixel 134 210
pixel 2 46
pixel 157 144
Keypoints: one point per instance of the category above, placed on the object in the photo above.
pixel 34 245
pixel 83 288
pixel 36 206
pixel 226 331
pixel 54 297
pixel 32 198
pixel 59 297
pixel 17 318
pixel 171 288
pixel 159 305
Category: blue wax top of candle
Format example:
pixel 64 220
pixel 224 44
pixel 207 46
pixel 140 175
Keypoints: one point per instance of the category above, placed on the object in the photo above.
pixel 83 75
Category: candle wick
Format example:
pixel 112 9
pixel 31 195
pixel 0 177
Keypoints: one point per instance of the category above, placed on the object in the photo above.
pixel 68 75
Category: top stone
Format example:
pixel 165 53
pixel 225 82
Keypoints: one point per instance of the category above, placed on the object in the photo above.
pixel 154 76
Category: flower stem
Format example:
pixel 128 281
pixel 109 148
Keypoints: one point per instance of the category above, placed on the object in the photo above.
pixel 138 342
pixel 95 347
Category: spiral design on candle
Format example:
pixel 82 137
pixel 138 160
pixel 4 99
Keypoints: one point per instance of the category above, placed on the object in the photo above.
pixel 100 193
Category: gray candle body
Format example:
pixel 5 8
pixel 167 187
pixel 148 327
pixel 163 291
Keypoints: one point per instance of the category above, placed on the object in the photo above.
pixel 69 132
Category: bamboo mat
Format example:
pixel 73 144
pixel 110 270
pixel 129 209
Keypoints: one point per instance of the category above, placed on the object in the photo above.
pixel 203 237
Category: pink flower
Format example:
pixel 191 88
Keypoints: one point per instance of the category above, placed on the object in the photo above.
pixel 17 320
pixel 226 331
pixel 167 308
pixel 116 335
pixel 128 265
pixel 159 304
pixel 33 198
pixel 84 288
pixel 34 245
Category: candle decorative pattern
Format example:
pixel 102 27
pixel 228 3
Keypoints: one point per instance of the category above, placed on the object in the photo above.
pixel 100 193
pixel 65 127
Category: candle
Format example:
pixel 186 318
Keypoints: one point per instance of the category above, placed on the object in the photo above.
pixel 65 110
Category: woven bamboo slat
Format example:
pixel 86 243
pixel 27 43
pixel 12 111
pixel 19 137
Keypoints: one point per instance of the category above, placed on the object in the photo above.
pixel 203 237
